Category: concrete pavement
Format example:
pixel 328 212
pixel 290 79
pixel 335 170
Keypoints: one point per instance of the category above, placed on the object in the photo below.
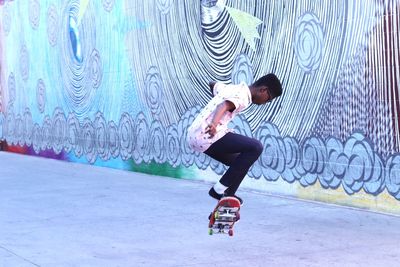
pixel 55 213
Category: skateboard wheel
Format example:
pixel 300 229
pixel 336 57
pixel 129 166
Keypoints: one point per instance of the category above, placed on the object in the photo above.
pixel 230 232
pixel 216 214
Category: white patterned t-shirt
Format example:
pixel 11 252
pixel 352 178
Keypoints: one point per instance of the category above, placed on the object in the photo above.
pixel 239 95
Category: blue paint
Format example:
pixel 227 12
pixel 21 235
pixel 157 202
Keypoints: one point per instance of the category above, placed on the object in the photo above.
pixel 75 40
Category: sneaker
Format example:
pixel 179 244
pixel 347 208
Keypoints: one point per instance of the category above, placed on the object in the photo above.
pixel 217 196
pixel 214 194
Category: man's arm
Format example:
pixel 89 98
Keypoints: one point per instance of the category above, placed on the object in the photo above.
pixel 219 112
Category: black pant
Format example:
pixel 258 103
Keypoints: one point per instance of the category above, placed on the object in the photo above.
pixel 239 153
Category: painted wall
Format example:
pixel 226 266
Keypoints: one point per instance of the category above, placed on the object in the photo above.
pixel 117 83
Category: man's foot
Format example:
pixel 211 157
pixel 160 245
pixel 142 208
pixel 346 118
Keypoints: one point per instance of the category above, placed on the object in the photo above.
pixel 217 196
pixel 214 194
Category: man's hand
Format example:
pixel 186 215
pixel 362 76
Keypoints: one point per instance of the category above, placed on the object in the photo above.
pixel 223 107
pixel 211 130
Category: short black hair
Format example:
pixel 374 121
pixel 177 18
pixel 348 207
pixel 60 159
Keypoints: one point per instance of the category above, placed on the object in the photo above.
pixel 272 82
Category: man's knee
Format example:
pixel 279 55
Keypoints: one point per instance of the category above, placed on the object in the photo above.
pixel 258 147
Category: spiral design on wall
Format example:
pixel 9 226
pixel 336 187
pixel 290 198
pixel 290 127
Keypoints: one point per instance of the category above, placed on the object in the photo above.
pixel 41 95
pixel 114 139
pixel 352 164
pixel 336 166
pixel 82 72
pixel 219 36
pixel 157 142
pixel 309 42
pixel 37 137
pixel 34 13
pixel 73 135
pixel 52 24
pixel 11 88
pixel 9 127
pixel 89 140
pixel 140 153
pixel 27 127
pixel 271 159
pixel 102 136
pixel 393 175
pixel 126 136
pixel 172 146
pixel 47 134
pixel 360 165
pixel 293 170
pixel 154 90
pixel 313 156
pixel 216 49
pixel 205 42
pixel 59 126
pixel 24 62
pixel 19 130
pixel 7 18
pixel 376 183
pixel 96 69
pixel 183 124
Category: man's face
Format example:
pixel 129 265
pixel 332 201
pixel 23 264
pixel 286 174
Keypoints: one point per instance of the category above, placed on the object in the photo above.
pixel 262 96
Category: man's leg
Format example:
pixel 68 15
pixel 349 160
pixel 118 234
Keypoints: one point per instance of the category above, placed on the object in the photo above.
pixel 239 153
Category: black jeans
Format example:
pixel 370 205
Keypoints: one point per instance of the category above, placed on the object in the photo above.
pixel 238 152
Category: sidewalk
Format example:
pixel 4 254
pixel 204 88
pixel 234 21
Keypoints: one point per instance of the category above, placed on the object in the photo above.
pixel 55 213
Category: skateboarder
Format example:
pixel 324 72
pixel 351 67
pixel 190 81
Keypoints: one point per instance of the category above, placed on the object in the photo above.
pixel 209 132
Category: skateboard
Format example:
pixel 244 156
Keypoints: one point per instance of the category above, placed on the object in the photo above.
pixel 224 216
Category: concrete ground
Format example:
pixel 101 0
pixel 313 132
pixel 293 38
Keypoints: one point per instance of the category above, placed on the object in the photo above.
pixel 55 213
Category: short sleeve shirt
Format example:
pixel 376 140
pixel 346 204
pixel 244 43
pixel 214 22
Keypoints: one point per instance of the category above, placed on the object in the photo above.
pixel 239 95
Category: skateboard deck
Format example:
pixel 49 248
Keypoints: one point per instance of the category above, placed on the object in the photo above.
pixel 224 216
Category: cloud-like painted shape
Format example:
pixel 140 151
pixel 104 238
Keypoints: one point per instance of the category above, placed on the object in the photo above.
pixel 157 142
pixel 172 146
pixel 141 148
pixel 393 175
pixel 352 164
pixel 102 136
pixel 183 124
pixel 360 163
pixel 313 160
pixel 272 160
pixel 154 90
pixel 335 166
pixel 309 42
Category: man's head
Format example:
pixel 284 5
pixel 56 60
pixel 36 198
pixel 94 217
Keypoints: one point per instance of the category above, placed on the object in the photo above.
pixel 266 89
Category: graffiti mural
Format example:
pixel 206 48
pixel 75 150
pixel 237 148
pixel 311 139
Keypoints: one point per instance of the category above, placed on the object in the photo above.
pixel 117 83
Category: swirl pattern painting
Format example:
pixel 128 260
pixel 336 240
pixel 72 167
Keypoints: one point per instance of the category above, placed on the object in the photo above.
pixel 117 83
